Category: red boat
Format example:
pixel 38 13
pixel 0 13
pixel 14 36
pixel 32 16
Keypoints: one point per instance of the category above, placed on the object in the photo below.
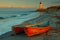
pixel 34 31
pixel 17 30
pixel 30 30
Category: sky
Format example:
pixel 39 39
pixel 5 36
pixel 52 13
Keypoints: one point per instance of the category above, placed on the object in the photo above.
pixel 28 3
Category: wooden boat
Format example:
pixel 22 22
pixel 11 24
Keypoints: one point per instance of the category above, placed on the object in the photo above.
pixel 17 30
pixel 30 30
pixel 34 31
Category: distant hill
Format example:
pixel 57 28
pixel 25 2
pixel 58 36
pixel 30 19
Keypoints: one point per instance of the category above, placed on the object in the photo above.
pixel 53 8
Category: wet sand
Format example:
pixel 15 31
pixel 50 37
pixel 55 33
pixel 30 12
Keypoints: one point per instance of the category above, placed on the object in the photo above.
pixel 50 35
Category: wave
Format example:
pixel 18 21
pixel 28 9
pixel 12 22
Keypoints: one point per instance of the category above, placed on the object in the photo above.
pixel 5 15
pixel 2 18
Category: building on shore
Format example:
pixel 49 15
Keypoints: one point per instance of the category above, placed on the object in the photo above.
pixel 41 9
pixel 41 6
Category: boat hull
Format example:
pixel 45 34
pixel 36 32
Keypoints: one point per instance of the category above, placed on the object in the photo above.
pixel 34 31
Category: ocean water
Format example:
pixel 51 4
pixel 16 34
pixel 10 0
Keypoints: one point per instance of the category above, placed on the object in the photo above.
pixel 13 12
pixel 11 17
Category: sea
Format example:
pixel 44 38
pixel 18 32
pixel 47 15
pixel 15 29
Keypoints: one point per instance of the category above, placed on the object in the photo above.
pixel 13 16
